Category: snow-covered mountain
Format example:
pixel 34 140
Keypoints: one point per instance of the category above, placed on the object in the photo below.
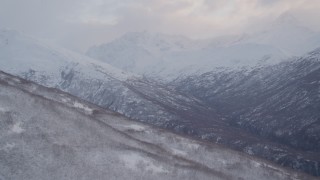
pixel 153 55
pixel 137 52
pixel 168 57
pixel 96 81
pixel 101 84
pixel 279 102
pixel 139 98
pixel 48 134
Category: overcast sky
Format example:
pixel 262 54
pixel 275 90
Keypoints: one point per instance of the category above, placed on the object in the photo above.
pixel 78 24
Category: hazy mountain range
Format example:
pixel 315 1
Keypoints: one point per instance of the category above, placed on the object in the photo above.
pixel 167 57
pixel 256 93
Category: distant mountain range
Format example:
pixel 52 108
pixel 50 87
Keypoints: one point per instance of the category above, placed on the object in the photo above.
pixel 168 57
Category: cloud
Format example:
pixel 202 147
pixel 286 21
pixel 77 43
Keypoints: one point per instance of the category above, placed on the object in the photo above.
pixel 78 24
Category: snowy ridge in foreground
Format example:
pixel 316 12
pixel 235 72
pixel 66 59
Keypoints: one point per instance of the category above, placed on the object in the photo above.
pixel 48 134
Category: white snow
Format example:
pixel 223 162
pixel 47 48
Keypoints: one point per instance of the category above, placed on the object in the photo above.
pixel 193 146
pixel 135 127
pixel 48 60
pixel 133 160
pixel 257 164
pixel 83 107
pixel 16 128
pixel 178 152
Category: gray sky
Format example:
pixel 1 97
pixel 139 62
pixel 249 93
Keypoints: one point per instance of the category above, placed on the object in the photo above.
pixel 78 24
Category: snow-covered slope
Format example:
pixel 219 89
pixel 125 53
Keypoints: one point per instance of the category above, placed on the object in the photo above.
pixel 279 102
pixel 169 57
pixel 48 134
pixel 20 53
pixel 95 81
pixel 137 98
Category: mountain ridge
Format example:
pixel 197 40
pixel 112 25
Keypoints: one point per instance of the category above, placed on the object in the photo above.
pixel 52 135
pixel 146 100
pixel 166 57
